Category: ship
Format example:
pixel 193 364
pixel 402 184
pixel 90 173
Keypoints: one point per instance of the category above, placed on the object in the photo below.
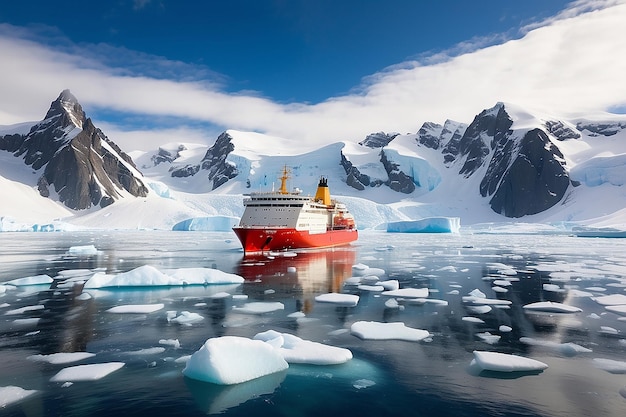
pixel 285 220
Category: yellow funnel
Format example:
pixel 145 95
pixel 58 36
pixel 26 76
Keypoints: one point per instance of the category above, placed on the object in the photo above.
pixel 323 193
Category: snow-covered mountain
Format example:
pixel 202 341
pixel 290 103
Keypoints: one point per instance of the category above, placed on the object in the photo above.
pixel 75 162
pixel 508 164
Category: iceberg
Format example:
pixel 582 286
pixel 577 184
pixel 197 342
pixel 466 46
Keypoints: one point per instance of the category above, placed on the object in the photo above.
pixel 611 366
pixel 503 362
pixel 617 309
pixel 83 250
pixel 372 330
pixel 61 357
pixel 551 307
pixel 186 318
pixel 207 224
pixel 611 300
pixel 297 350
pixel 608 232
pixel 259 307
pixel 407 293
pixel 12 394
pixel 231 360
pixel 349 300
pixel 33 280
pixel 147 275
pixel 426 225
pixel 136 308
pixel 86 372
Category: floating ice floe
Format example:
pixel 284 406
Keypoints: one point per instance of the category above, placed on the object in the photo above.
pixel 34 280
pixel 359 270
pixel 61 357
pixel 259 307
pixel 175 343
pixel 83 250
pixel 390 284
pixel 12 394
pixel 486 301
pixel 503 362
pixel 231 360
pixel 552 288
pixel 407 293
pixel 372 330
pixel 147 275
pixel 186 318
pixel 136 308
pixel 470 319
pixel 296 350
pixel 608 330
pixel 86 372
pixel 609 365
pixel 363 383
pixel 348 300
pixel 146 351
pixel 489 338
pixel 23 310
pixel 479 309
pixel 371 288
pixel 551 307
pixel 618 309
pixel 611 300
pixel 568 349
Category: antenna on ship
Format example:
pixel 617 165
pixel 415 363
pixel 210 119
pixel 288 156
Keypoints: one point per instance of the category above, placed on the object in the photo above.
pixel 283 181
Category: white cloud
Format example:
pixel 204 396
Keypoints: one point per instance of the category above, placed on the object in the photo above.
pixel 572 63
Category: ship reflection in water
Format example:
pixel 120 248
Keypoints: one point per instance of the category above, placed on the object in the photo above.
pixel 302 275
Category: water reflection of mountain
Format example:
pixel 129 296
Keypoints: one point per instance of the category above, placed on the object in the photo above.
pixel 302 276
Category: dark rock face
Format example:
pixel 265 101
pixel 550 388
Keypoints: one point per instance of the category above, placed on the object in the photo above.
pixel 378 140
pixel 454 132
pixel 11 143
pixel 354 177
pixel 560 131
pixel 490 125
pixel 446 137
pixel 163 155
pixel 601 129
pixel 535 181
pixel 429 135
pixel 215 162
pixel 184 172
pixel 80 163
pixel 398 180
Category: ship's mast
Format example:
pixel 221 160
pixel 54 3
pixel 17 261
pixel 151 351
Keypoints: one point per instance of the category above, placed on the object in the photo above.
pixel 283 181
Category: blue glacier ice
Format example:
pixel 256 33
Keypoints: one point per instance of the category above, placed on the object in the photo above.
pixel 426 225
pixel 207 224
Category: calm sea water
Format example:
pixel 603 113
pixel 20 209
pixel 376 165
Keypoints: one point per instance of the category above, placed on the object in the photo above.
pixel 385 378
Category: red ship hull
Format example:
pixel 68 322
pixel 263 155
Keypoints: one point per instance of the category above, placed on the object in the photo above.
pixel 272 239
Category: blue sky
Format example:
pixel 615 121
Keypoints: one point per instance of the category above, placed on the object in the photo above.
pixel 189 69
pixel 287 50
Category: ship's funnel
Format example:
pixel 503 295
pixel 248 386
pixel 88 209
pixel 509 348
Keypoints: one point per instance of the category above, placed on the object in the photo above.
pixel 323 193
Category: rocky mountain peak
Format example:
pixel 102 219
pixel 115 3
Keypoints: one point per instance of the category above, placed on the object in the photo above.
pixel 78 163
pixel 378 140
pixel 68 109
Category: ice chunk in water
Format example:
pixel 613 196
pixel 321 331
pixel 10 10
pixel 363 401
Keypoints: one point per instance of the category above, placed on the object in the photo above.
pixel 230 360
pixel 503 362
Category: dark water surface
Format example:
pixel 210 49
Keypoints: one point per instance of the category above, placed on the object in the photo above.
pixel 385 378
